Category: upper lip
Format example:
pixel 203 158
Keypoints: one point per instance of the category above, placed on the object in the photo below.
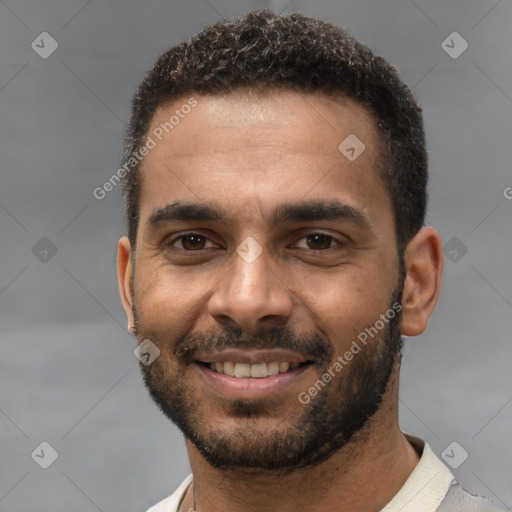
pixel 251 356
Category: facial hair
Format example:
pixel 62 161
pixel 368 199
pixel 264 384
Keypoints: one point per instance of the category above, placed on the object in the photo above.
pixel 325 425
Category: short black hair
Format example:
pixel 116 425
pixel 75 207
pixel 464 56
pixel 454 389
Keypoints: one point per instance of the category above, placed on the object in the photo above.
pixel 296 52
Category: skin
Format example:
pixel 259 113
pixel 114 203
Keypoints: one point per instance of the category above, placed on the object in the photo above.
pixel 250 153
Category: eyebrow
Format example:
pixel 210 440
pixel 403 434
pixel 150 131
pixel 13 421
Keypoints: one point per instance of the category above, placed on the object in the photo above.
pixel 185 211
pixel 302 211
pixel 306 211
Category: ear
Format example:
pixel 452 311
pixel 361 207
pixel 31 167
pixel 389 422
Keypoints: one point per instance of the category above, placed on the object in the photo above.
pixel 424 263
pixel 124 278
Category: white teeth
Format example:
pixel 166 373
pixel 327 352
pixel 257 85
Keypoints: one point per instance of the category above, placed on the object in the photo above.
pixel 257 371
pixel 273 368
pixel 229 369
pixel 242 370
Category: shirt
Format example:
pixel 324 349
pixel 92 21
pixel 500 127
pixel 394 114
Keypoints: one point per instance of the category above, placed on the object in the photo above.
pixel 431 487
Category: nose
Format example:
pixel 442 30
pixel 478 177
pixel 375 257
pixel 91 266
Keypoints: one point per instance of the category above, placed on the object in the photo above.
pixel 251 294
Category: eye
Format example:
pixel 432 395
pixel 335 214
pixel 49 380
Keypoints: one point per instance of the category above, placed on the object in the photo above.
pixel 318 242
pixel 191 242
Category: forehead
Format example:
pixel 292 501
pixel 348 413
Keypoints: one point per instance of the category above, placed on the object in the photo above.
pixel 265 147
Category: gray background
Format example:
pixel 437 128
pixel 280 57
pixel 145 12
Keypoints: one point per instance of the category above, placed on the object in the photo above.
pixel 67 372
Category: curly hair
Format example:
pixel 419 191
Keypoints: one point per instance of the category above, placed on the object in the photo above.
pixel 296 52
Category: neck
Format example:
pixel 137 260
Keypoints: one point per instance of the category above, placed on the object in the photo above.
pixel 363 476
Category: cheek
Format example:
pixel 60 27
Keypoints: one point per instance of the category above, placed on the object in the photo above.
pixel 168 301
pixel 343 305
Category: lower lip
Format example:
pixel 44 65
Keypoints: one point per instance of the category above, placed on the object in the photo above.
pixel 251 387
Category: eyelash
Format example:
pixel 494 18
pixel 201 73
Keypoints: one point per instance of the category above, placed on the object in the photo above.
pixel 337 243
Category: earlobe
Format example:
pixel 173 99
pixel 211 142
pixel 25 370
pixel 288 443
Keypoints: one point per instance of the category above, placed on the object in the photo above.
pixel 424 263
pixel 124 278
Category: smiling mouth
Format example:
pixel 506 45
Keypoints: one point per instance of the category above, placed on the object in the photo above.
pixel 255 371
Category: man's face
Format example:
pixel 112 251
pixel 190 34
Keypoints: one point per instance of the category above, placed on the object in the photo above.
pixel 259 241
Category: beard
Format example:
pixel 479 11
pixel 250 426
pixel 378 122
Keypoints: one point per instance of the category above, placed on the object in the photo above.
pixel 304 438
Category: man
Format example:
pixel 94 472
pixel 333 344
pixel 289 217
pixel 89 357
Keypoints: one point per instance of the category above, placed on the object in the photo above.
pixel 275 184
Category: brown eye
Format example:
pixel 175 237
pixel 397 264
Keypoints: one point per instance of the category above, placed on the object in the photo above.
pixel 191 242
pixel 319 241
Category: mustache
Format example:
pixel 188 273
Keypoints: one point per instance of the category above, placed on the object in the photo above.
pixel 312 347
